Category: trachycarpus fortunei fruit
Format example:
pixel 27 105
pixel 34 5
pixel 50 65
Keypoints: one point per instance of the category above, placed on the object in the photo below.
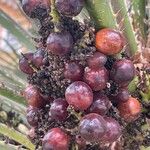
pixel 85 97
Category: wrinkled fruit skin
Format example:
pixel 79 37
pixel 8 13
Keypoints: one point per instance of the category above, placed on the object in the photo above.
pixel 56 139
pixel 79 95
pixel 96 78
pixel 130 110
pixel 69 7
pixel 58 110
pixel 73 71
pixel 97 60
pixel 113 131
pixel 31 7
pixel 24 63
pixel 109 41
pixel 100 105
pixel 59 43
pixel 123 72
pixel 32 116
pixel 33 97
pixel 92 127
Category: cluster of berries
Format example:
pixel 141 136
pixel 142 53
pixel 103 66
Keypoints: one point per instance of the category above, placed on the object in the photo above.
pixel 86 97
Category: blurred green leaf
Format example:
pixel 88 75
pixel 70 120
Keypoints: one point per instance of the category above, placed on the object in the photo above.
pixel 13 96
pixel 16 30
pixel 7 146
pixel 16 136
pixel 139 16
pixel 101 12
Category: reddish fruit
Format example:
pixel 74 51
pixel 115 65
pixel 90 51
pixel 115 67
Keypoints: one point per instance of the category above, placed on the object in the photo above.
pixel 100 105
pixel 109 41
pixel 60 43
pixel 92 127
pixel 113 131
pixel 35 8
pixel 130 109
pixel 38 57
pixel 79 95
pixel 97 60
pixel 56 139
pixel 33 96
pixel 69 7
pixel 24 63
pixel 122 72
pixel 96 78
pixel 73 71
pixel 58 110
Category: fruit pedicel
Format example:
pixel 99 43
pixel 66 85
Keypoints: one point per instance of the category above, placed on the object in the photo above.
pixel 75 79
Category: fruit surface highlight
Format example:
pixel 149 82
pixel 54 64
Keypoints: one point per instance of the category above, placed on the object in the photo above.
pixel 130 110
pixel 113 131
pixel 59 43
pixel 69 7
pixel 97 60
pixel 58 110
pixel 122 72
pixel 56 139
pixel 73 71
pixel 92 127
pixel 33 97
pixel 79 95
pixel 109 41
pixel 100 105
pixel 96 78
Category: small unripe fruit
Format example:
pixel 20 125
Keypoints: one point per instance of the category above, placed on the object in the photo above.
pixel 109 41
pixel 59 43
pixel 69 7
pixel 113 131
pixel 32 116
pixel 33 8
pixel 38 57
pixel 58 110
pixel 56 139
pixel 96 78
pixel 122 96
pixel 79 95
pixel 100 105
pixel 73 71
pixel 33 96
pixel 97 60
pixel 92 127
pixel 122 72
pixel 130 109
pixel 24 63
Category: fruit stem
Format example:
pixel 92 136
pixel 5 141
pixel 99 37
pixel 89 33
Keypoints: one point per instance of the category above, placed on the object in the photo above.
pixel 71 131
pixel 75 147
pixel 128 27
pixel 102 14
pixel 73 112
pixel 30 63
pixel 55 15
